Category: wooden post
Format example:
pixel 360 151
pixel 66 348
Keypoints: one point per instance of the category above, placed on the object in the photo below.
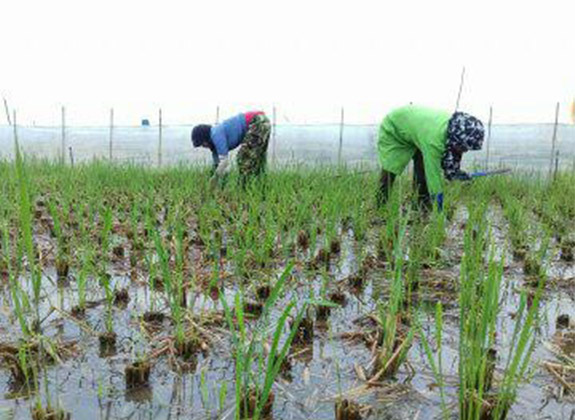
pixel 217 114
pixel 341 124
pixel 488 142
pixel 160 137
pixel 274 137
pixel 556 164
pixel 71 156
pixel 7 111
pixel 111 145
pixel 63 153
pixel 460 88
pixel 554 139
pixel 14 125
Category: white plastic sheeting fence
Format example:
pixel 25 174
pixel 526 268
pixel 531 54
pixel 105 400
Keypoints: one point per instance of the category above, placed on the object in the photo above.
pixel 524 145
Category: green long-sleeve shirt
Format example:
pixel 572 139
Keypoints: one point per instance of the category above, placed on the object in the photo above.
pixel 408 129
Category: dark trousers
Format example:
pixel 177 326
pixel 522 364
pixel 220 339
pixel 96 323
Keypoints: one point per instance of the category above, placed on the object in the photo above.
pixel 420 184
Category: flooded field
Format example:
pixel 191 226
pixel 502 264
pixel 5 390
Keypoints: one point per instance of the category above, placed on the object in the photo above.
pixel 133 293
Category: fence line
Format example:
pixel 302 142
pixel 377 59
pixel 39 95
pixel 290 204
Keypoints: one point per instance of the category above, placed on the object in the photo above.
pixel 311 143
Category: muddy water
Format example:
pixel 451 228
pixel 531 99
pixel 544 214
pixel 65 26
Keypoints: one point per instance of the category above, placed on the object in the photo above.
pixel 92 387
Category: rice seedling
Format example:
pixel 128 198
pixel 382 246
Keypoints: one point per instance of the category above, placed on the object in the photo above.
pixel 436 362
pixel 395 334
pixel 254 396
pixel 62 262
pixel 108 338
pixel 27 237
pixel 197 266
pixel 515 214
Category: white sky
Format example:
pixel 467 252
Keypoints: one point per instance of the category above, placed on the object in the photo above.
pixel 307 57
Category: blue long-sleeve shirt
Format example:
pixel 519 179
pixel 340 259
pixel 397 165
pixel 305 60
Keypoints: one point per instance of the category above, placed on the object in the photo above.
pixel 228 135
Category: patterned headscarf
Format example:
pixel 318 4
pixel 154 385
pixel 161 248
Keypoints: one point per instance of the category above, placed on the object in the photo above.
pixel 464 133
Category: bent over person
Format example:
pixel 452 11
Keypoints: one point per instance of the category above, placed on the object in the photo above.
pixel 250 130
pixel 435 140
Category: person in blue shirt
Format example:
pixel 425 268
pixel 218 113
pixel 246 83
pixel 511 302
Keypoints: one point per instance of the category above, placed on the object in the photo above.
pixel 250 130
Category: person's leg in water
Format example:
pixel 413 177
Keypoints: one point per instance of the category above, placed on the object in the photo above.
pixel 253 153
pixel 420 182
pixel 386 180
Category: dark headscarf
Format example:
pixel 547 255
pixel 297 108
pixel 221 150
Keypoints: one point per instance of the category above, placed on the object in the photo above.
pixel 464 133
pixel 201 134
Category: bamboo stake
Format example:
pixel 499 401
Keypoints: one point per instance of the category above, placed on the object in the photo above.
pixel 111 145
pixel 556 164
pixel 341 124
pixel 462 80
pixel 554 139
pixel 160 137
pixel 488 142
pixel 63 153
pixel 217 114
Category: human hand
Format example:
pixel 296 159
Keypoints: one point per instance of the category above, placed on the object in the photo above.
pixel 223 166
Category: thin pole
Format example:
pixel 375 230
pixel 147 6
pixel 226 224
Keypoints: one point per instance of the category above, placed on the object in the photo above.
pixel 488 142
pixel 14 126
pixel 274 138
pixel 556 164
pixel 460 88
pixel 111 146
pixel 63 154
pixel 160 137
pixel 71 155
pixel 7 111
pixel 554 139
pixel 217 114
pixel 341 124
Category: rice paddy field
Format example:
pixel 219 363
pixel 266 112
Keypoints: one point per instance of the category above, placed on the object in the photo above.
pixel 136 293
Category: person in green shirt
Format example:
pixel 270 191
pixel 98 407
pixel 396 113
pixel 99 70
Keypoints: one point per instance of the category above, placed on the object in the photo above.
pixel 435 140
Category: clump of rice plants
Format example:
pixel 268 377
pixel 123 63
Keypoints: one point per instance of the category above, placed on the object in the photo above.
pixel 254 395
pixel 395 334
pixel 480 396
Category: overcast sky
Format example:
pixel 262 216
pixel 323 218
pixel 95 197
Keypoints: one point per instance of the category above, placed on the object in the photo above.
pixel 308 58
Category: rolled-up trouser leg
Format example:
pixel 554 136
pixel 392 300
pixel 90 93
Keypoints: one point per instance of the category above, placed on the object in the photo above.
pixel 384 188
pixel 253 153
pixel 420 182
